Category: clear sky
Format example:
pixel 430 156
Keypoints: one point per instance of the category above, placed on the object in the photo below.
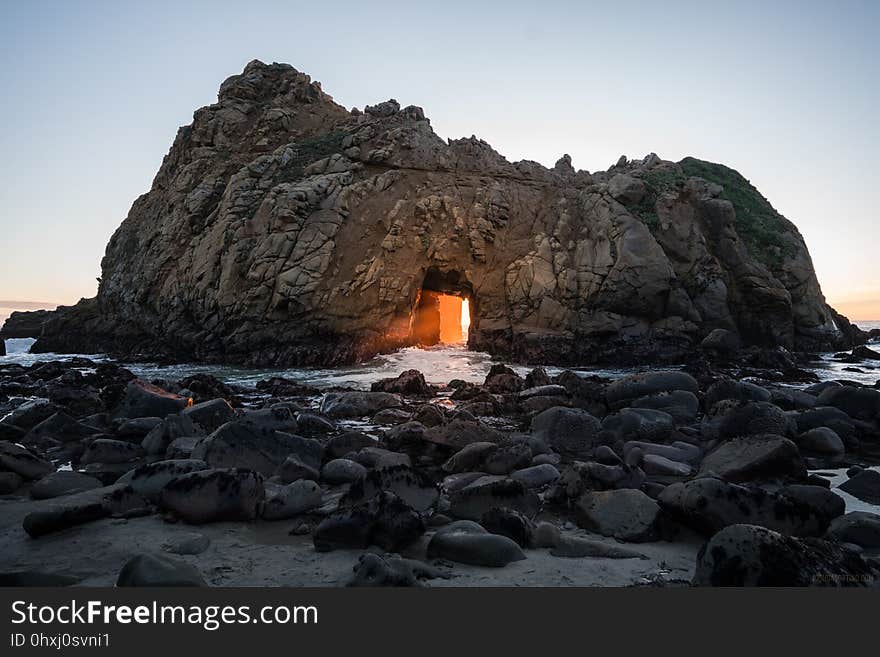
pixel 785 92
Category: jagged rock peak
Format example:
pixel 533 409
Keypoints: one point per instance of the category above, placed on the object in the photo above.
pixel 283 228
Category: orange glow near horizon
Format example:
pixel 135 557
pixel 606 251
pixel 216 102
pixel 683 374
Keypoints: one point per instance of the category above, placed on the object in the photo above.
pixel 858 309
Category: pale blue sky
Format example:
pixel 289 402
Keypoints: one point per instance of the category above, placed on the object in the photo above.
pixel 785 92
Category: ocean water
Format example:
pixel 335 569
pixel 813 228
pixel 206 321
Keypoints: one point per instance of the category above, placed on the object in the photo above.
pixel 837 477
pixel 439 364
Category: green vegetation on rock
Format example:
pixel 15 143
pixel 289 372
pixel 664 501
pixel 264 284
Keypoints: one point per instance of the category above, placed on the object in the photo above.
pixel 310 150
pixel 659 180
pixel 760 227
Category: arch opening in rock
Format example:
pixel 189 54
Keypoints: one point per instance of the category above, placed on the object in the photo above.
pixel 443 309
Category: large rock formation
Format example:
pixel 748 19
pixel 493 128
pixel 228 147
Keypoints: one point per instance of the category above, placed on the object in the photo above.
pixel 283 228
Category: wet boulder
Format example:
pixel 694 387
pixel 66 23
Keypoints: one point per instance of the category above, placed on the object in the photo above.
pixel 392 416
pixel 819 416
pixel 660 466
pixel 412 486
pixel 11 433
pixel 411 383
pixel 634 386
pixel 78 508
pixel 742 391
pixel 821 440
pixel 384 520
pixel 571 432
pixel 357 404
pixel 676 451
pixel 377 457
pixel 388 570
pixel 476 549
pixel 549 390
pixel 10 482
pixel 342 471
pixel 460 432
pixel 755 418
pixel 107 450
pixel 859 403
pixel 639 424
pixel 510 523
pixel 309 424
pixel 142 399
pixel 473 501
pixel 503 380
pixel 293 469
pixel 536 476
pixel 210 415
pixel 755 457
pixel 864 485
pixel 63 482
pixel 31 413
pixel 149 479
pixel 821 500
pixel 627 515
pixel 708 505
pixel 214 494
pixel 470 457
pixel 164 433
pixel 238 444
pixel 283 502
pixel 23 462
pixel 748 555
pixel 136 428
pixel 348 442
pixel 721 343
pixel 681 405
pixel 858 527
pixel 61 427
pixel 507 457
pixel 430 415
pixel 158 570
pixel 279 417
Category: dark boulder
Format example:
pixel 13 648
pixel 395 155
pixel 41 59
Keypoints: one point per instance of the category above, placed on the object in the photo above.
pixel 754 418
pixel 23 462
pixel 626 514
pixel 858 527
pixel 142 399
pixel 158 570
pixel 747 555
pixel 214 494
pixel 708 505
pixel 236 444
pixel 571 432
pixel 755 457
pixel 510 523
pixel 491 550
pixel 473 501
pixel 858 403
pixel 63 482
pixel 410 382
pixel 210 415
pixel 384 520
pixel 865 485
pixel 632 387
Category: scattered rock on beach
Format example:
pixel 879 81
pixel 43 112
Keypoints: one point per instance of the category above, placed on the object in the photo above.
pixel 158 570
pixel 214 494
pixel 747 555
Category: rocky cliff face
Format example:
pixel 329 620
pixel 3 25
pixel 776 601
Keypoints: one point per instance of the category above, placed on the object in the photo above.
pixel 282 228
